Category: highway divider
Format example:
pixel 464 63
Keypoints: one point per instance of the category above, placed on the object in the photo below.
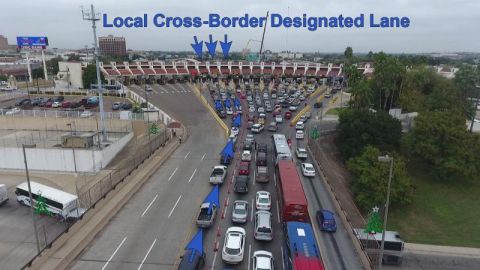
pixel 205 102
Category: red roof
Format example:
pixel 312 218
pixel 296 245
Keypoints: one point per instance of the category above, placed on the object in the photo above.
pixel 160 71
pixel 300 71
pixel 322 72
pixel 182 71
pixel 256 70
pixel 148 71
pixel 267 70
pixel 311 71
pixel 193 71
pixel 225 71
pixel 235 71
pixel 277 71
pixel 289 71
pixel 110 71
pixel 171 71
pixel 136 71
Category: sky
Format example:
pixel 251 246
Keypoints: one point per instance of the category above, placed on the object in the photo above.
pixel 436 25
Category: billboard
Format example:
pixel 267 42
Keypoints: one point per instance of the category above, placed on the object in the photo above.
pixel 32 42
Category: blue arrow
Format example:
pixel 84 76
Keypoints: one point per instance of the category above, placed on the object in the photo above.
pixel 225 46
pixel 197 46
pixel 211 46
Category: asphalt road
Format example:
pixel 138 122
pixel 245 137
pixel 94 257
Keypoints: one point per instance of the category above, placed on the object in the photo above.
pixel 337 251
pixel 155 225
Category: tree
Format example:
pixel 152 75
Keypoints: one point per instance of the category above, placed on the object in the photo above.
pixel 73 57
pixel 90 76
pixel 466 79
pixel 52 65
pixel 41 206
pixel 388 79
pixel 359 128
pixel 441 139
pixel 370 180
pixel 348 55
pixel 3 77
pixel 362 95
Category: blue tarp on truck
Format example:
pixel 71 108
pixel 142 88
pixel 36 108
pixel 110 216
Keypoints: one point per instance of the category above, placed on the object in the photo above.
pixel 227 153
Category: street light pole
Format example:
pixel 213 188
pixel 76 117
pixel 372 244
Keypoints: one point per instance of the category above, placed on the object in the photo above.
pixel 385 158
pixel 148 113
pixel 30 194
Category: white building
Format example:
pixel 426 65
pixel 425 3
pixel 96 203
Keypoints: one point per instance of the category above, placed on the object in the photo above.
pixel 70 75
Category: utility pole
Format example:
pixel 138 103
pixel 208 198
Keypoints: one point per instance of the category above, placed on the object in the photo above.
pixel 94 17
pixel 263 37
pixel 34 221
pixel 385 159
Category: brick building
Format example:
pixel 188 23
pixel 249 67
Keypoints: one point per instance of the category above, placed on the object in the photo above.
pixel 112 46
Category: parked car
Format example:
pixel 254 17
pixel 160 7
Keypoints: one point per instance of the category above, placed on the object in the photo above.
pixel 59 98
pixel 86 114
pixel 326 220
pixel 66 104
pixel 36 101
pixel 234 245
pixel 262 260
pixel 308 170
pixel 49 104
pixel 117 106
pixel 22 102
pixel 272 127
pixel 240 211
pixel 13 111
pixel 263 200
pixel 127 106
pixel 56 104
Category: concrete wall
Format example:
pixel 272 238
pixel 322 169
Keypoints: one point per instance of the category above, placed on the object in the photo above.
pixel 54 159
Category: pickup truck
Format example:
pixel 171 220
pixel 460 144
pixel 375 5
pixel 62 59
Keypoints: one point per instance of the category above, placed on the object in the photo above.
pixel 206 215
pixel 218 174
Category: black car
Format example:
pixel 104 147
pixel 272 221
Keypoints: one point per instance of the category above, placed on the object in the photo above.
pixel 241 184
pixel 247 146
pixel 192 260
pixel 126 106
pixel 22 102
pixel 58 98
pixel 318 105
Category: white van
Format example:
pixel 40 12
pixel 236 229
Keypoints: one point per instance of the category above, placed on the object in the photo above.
pixel 3 194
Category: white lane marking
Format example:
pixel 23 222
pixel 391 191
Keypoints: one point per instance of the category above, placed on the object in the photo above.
pixel 249 255
pixel 226 207
pixel 283 259
pixel 150 204
pixel 146 255
pixel 170 178
pixel 214 259
pixel 203 156
pixel 274 179
pixel 186 155
pixel 174 206
pixel 278 213
pixel 251 211
pixel 253 178
pixel 115 252
pixel 191 177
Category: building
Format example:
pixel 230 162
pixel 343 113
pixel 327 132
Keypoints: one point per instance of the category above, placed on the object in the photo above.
pixel 112 46
pixel 4 46
pixel 69 75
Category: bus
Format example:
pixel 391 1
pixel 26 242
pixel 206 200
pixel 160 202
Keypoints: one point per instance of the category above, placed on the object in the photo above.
pixel 60 203
pixel 300 250
pixel 293 202
pixel 394 245
pixel 281 148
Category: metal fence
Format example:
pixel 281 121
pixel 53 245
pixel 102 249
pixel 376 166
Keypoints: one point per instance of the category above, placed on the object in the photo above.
pixel 89 196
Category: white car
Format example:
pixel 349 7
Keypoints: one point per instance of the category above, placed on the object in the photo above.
pixel 257 128
pixel 301 153
pixel 234 131
pixel 292 108
pixel 278 118
pixel 299 135
pixel 86 114
pixel 300 125
pixel 229 111
pixel 262 260
pixel 247 156
pixel 56 104
pixel 251 109
pixel 13 111
pixel 234 245
pixel 148 88
pixel 263 200
pixel 261 110
pixel 308 170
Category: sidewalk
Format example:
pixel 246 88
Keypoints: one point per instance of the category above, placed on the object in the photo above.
pixel 442 250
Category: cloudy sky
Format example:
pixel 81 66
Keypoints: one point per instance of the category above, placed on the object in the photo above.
pixel 436 25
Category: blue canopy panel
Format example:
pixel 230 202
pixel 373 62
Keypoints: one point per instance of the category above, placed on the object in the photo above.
pixel 213 198
pixel 196 244
pixel 218 105
pixel 237 102
pixel 228 149
pixel 228 104
pixel 238 121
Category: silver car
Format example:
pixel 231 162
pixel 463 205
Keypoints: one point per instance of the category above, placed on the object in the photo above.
pixel 240 211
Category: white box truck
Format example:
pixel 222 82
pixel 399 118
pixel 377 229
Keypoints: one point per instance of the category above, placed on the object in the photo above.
pixel 3 194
